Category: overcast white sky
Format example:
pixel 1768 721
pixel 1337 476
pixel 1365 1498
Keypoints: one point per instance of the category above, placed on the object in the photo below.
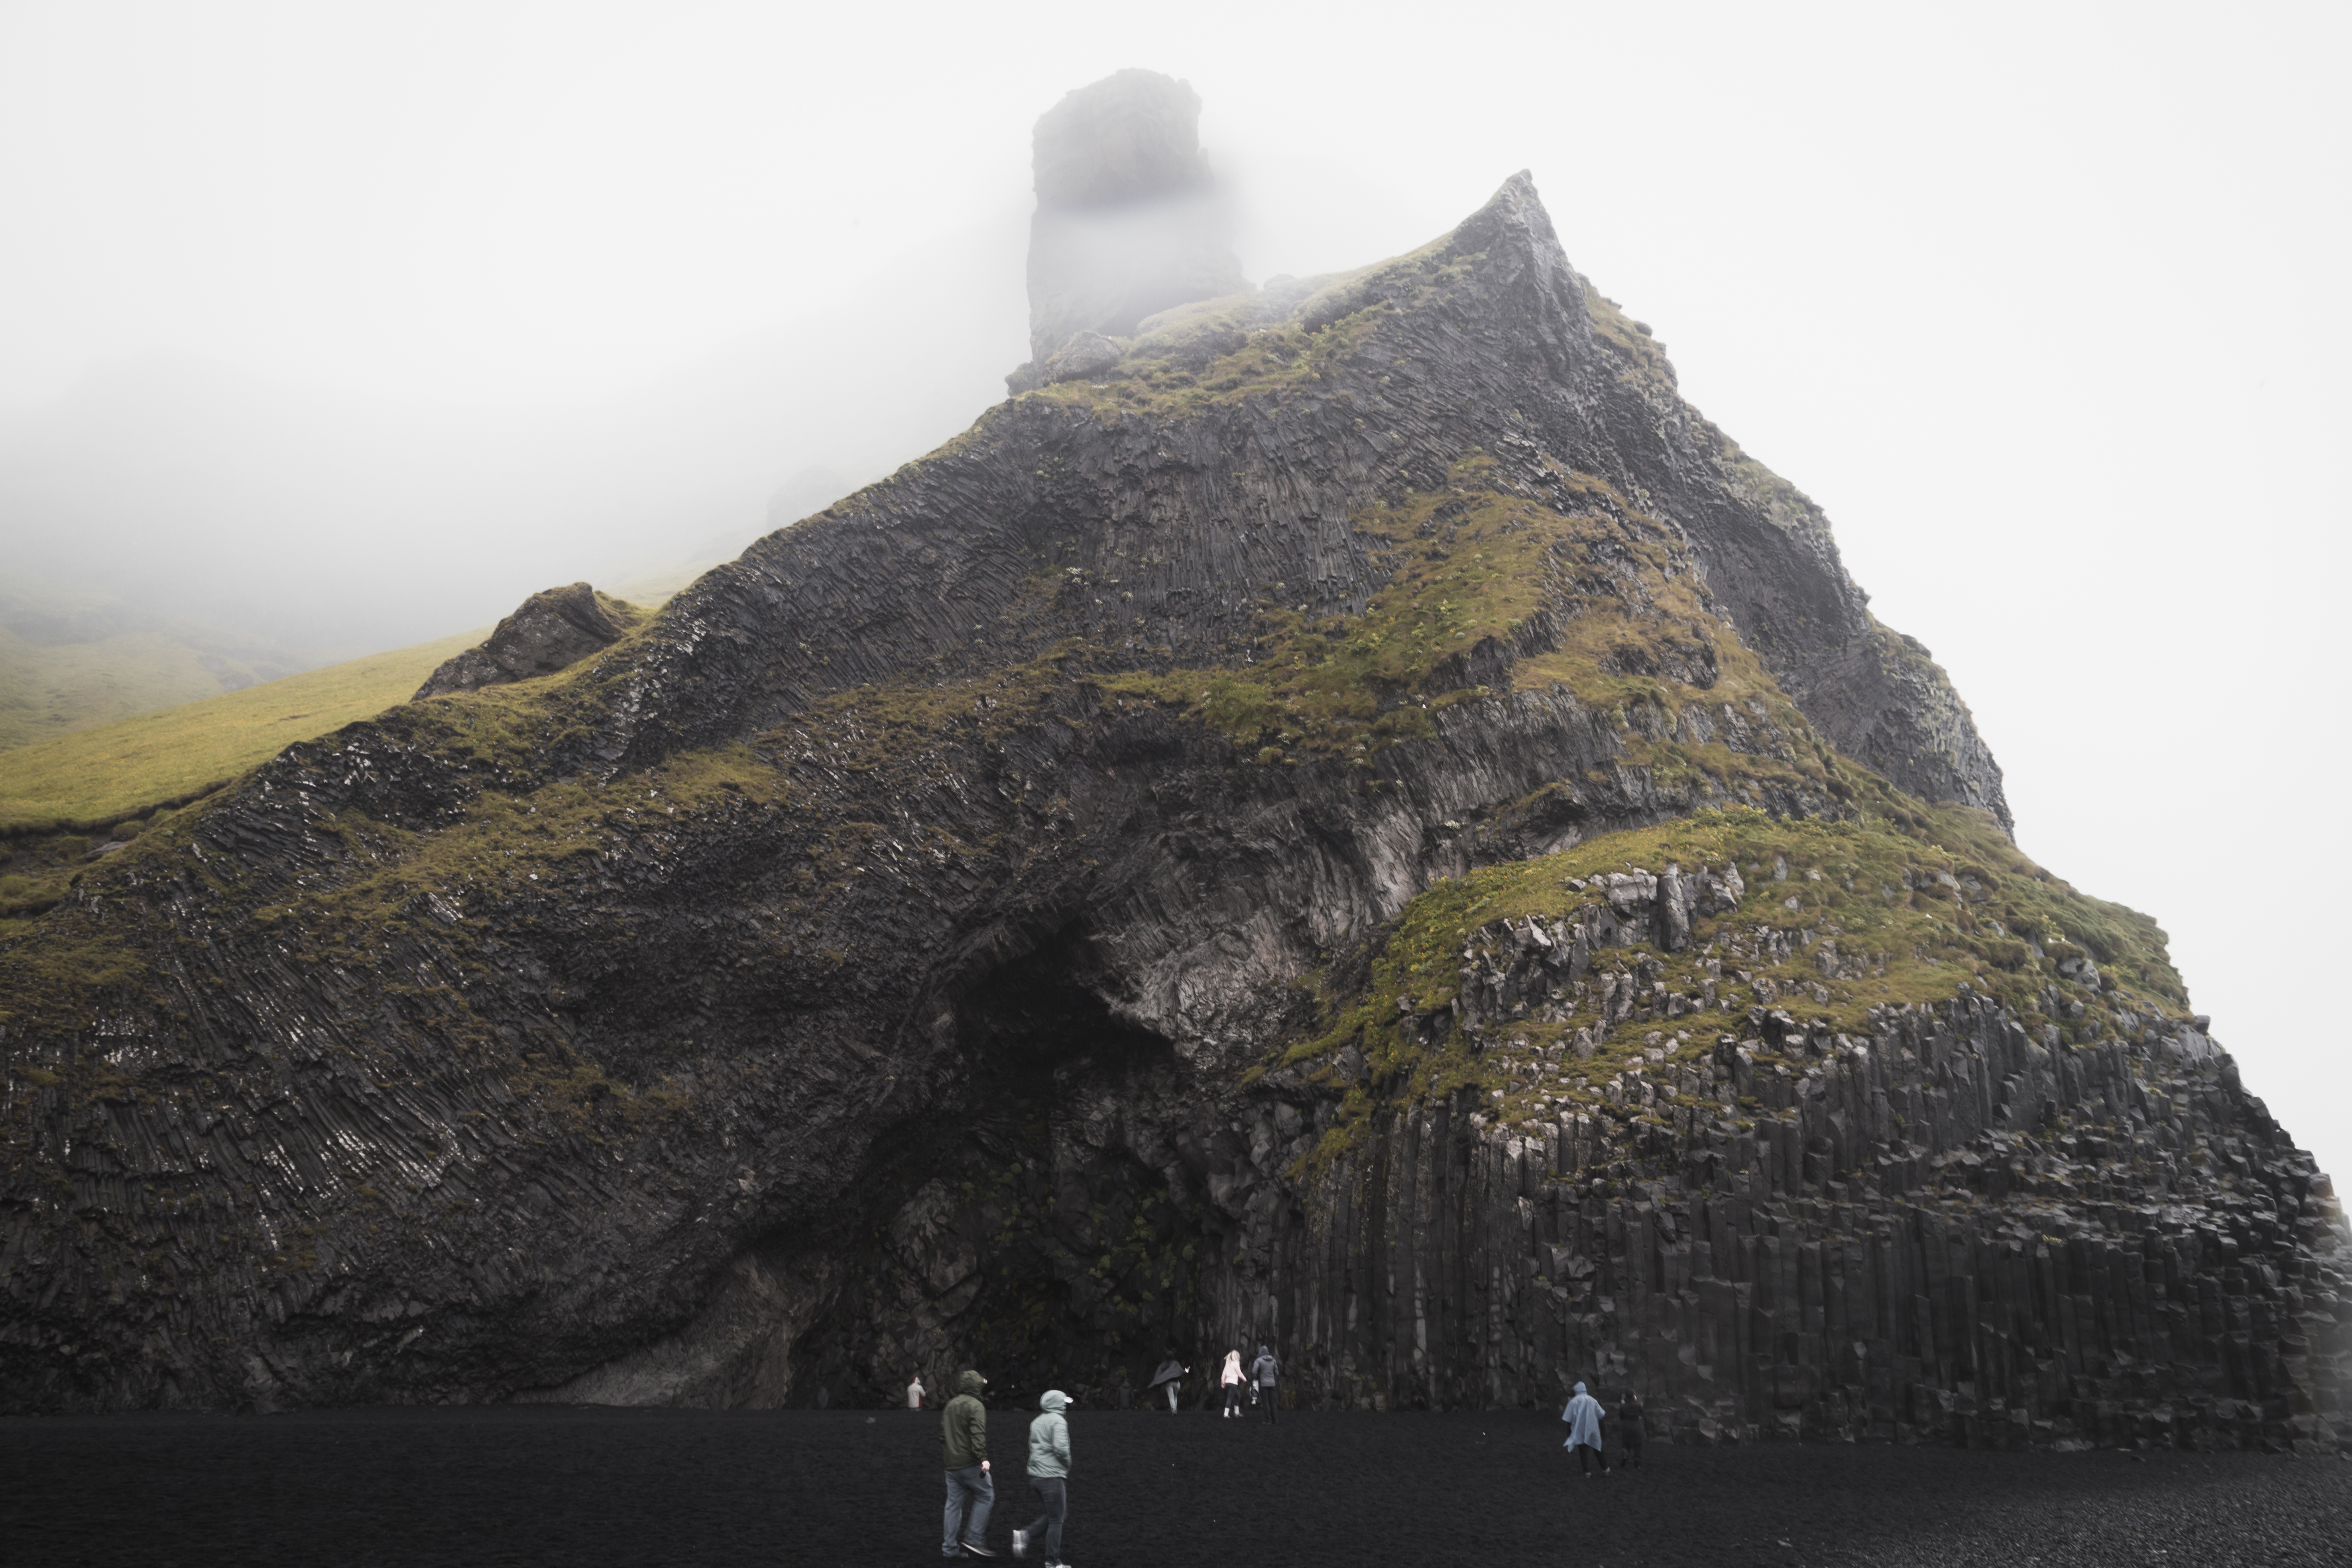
pixel 2046 304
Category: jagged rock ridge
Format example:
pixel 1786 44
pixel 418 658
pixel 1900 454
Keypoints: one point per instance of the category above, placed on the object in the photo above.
pixel 886 957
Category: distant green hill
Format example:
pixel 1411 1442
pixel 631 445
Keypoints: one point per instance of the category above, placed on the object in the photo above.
pixel 72 659
pixel 96 776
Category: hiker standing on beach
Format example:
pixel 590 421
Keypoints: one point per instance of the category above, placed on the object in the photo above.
pixel 964 1430
pixel 1231 1380
pixel 915 1392
pixel 1628 1431
pixel 1263 1373
pixel 1170 1374
pixel 1583 1419
pixel 1049 1477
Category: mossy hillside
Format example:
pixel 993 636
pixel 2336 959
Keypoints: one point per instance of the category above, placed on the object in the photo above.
pixel 1274 361
pixel 1916 907
pixel 1624 618
pixel 504 736
pixel 1222 351
pixel 91 781
pixel 1225 350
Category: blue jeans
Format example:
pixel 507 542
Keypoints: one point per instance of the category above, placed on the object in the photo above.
pixel 969 1495
pixel 1055 1493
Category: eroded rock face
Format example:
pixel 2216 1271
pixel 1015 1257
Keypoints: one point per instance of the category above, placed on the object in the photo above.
pixel 980 923
pixel 1128 221
pixel 552 630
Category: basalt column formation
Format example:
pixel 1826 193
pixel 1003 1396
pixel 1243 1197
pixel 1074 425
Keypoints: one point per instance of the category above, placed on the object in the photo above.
pixel 1360 822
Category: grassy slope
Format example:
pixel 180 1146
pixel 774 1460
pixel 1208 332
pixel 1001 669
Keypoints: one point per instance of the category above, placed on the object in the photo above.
pixel 51 690
pixel 99 775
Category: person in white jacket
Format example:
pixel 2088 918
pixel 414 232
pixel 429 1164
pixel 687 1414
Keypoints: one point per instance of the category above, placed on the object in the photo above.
pixel 1234 1379
pixel 1583 1419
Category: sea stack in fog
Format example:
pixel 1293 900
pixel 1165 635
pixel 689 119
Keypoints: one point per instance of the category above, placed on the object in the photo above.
pixel 1129 218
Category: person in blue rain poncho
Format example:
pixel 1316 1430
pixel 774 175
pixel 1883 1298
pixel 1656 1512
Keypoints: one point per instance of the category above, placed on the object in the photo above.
pixel 1583 1419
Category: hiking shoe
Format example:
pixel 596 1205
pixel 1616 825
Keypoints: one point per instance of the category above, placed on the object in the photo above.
pixel 1021 1544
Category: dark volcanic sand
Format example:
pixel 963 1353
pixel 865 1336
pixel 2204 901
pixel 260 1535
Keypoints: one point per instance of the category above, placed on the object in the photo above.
pixel 538 1485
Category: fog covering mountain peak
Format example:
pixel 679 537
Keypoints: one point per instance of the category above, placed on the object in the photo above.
pixel 326 521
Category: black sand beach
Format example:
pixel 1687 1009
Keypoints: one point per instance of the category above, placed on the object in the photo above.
pixel 578 1486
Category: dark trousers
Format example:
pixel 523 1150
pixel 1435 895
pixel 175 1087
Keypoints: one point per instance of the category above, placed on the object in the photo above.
pixel 1630 1454
pixel 970 1494
pixel 1266 1402
pixel 1232 1398
pixel 1586 1453
pixel 1053 1491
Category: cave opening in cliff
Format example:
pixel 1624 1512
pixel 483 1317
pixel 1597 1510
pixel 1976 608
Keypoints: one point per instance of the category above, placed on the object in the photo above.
pixel 1030 1228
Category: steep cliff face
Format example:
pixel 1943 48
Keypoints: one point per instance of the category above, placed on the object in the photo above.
pixel 1365 820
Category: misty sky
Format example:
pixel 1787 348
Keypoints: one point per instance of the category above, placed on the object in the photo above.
pixel 2045 304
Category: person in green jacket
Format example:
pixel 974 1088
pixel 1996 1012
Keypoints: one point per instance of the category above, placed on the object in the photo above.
pixel 1049 1476
pixel 964 1431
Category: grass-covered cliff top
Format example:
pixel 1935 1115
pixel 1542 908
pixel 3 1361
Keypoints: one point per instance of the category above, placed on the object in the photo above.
pixel 95 777
pixel 1904 903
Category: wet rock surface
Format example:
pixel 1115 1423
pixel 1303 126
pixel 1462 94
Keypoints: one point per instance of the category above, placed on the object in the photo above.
pixel 887 958
pixel 504 1486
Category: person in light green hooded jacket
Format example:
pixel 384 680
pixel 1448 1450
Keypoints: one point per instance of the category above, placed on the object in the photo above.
pixel 1049 1477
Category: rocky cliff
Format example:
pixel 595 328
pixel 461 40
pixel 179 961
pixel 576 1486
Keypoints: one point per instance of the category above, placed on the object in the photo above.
pixel 1362 822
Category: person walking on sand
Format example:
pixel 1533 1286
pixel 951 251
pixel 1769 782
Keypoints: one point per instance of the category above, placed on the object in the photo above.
pixel 1170 1374
pixel 1231 1380
pixel 915 1392
pixel 1583 1419
pixel 1049 1477
pixel 1263 1373
pixel 1630 1435
pixel 964 1430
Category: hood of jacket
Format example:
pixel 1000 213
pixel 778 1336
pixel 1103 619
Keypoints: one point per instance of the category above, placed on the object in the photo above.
pixel 1580 1389
pixel 971 1382
pixel 1053 1399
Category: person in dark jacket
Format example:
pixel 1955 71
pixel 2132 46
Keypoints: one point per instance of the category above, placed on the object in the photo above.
pixel 1262 1372
pixel 963 1433
pixel 1126 1390
pixel 1628 1431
